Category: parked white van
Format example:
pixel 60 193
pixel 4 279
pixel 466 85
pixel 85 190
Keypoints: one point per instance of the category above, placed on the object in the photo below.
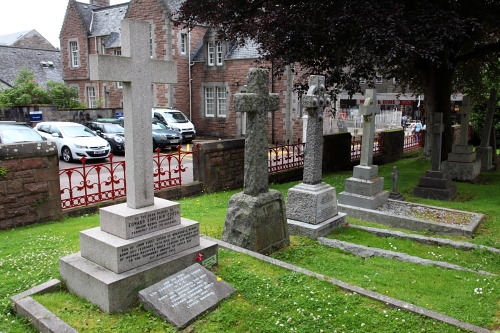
pixel 176 120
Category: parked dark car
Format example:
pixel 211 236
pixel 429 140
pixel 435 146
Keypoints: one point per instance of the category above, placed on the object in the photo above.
pixel 164 137
pixel 14 132
pixel 112 131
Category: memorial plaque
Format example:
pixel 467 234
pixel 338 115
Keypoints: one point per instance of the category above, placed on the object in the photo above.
pixel 182 297
pixel 120 255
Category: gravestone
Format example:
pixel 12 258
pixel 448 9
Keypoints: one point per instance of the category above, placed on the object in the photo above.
pixel 395 195
pixel 182 297
pixel 311 207
pixel 256 218
pixel 365 189
pixel 143 240
pixel 462 164
pixel 436 184
pixel 485 150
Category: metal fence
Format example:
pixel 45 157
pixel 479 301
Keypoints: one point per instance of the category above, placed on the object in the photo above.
pixel 284 157
pixel 356 147
pixel 413 141
pixel 92 183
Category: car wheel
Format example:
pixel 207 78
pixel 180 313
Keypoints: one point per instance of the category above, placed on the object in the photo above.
pixel 66 154
pixel 173 147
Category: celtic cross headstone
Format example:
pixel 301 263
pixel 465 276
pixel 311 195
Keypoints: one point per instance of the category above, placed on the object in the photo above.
pixel 368 110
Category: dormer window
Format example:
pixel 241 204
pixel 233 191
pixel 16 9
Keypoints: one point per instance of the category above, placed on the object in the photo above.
pixel 184 41
pixel 74 54
pixel 210 54
pixel 219 54
pixel 215 54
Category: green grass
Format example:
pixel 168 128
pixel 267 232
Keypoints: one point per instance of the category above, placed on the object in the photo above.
pixel 270 299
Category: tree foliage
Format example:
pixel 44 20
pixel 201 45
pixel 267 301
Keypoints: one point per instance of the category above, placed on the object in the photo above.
pixel 425 45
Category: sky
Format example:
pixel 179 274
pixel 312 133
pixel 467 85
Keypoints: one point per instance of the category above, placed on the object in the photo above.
pixel 45 16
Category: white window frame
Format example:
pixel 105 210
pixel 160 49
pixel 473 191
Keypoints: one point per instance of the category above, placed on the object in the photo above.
pixel 221 102
pixel 184 41
pixel 362 81
pixel 151 41
pixel 74 54
pixel 378 79
pixel 91 97
pixel 119 85
pixel 102 46
pixel 219 54
pixel 210 102
pixel 210 53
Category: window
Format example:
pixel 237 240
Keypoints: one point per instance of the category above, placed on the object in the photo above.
pixel 219 54
pixel 150 41
pixel 91 102
pixel 210 101
pixel 73 49
pixel 210 54
pixel 221 102
pixel 362 81
pixel 119 85
pixel 378 79
pixel 184 42
pixel 102 45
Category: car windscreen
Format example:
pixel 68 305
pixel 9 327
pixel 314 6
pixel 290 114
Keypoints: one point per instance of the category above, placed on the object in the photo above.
pixel 76 131
pixel 176 117
pixel 159 125
pixel 19 134
pixel 113 128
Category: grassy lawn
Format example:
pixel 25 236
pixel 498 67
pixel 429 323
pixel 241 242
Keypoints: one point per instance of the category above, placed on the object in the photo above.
pixel 270 299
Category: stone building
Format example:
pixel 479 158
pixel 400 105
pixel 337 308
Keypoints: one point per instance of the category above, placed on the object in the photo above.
pixel 210 71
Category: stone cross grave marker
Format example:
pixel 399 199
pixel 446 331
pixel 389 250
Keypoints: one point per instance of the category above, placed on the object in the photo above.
pixel 464 112
pixel 368 110
pixel 395 176
pixel 257 103
pixel 315 101
pixel 488 123
pixel 138 72
pixel 437 129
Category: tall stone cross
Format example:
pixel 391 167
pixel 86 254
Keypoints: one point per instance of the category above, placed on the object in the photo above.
pixel 437 129
pixel 464 112
pixel 315 102
pixel 138 72
pixel 368 110
pixel 257 102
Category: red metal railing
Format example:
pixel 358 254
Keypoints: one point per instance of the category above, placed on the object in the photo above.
pixel 356 147
pixel 413 141
pixel 92 183
pixel 284 157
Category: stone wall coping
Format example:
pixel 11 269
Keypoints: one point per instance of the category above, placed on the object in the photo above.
pixel 27 150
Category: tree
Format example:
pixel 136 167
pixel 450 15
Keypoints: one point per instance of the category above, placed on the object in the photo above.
pixel 63 96
pixel 423 44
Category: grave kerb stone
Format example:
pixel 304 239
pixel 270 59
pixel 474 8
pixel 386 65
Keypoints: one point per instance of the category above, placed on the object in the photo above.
pixel 257 103
pixel 368 110
pixel 138 72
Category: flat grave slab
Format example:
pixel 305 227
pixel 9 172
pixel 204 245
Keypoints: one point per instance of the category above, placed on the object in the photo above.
pixel 182 297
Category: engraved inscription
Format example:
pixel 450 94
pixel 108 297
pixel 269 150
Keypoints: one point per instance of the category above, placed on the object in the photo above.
pixel 326 206
pixel 152 221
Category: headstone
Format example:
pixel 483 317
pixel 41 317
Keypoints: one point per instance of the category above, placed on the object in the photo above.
pixel 485 150
pixel 436 184
pixel 256 218
pixel 395 195
pixel 312 205
pixel 144 240
pixel 182 297
pixel 462 164
pixel 365 189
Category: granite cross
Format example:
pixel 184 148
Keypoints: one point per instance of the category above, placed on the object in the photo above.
pixel 437 129
pixel 395 176
pixel 464 113
pixel 315 101
pixel 257 102
pixel 368 110
pixel 138 72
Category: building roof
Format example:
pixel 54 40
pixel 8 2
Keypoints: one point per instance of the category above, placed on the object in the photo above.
pixel 10 39
pixel 106 20
pixel 45 64
pixel 26 39
pixel 235 52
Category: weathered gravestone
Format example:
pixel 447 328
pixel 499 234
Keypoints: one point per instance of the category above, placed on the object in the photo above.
pixel 462 164
pixel 485 150
pixel 395 195
pixel 144 240
pixel 436 184
pixel 311 206
pixel 256 218
pixel 182 297
pixel 365 188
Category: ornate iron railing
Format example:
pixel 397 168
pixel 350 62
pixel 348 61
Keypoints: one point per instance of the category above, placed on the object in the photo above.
pixel 356 147
pixel 413 141
pixel 284 157
pixel 93 183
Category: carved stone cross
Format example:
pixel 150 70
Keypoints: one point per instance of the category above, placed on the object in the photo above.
pixel 315 102
pixel 395 176
pixel 464 112
pixel 138 72
pixel 437 129
pixel 257 102
pixel 368 110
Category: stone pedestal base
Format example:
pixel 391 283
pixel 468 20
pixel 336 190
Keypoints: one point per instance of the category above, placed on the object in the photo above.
pixel 462 164
pixel 435 185
pixel 312 204
pixel 257 223
pixel 485 155
pixel 316 230
pixel 396 196
pixel 364 189
pixel 114 292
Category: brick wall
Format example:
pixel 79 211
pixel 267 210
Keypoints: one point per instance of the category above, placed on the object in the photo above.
pixel 29 191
